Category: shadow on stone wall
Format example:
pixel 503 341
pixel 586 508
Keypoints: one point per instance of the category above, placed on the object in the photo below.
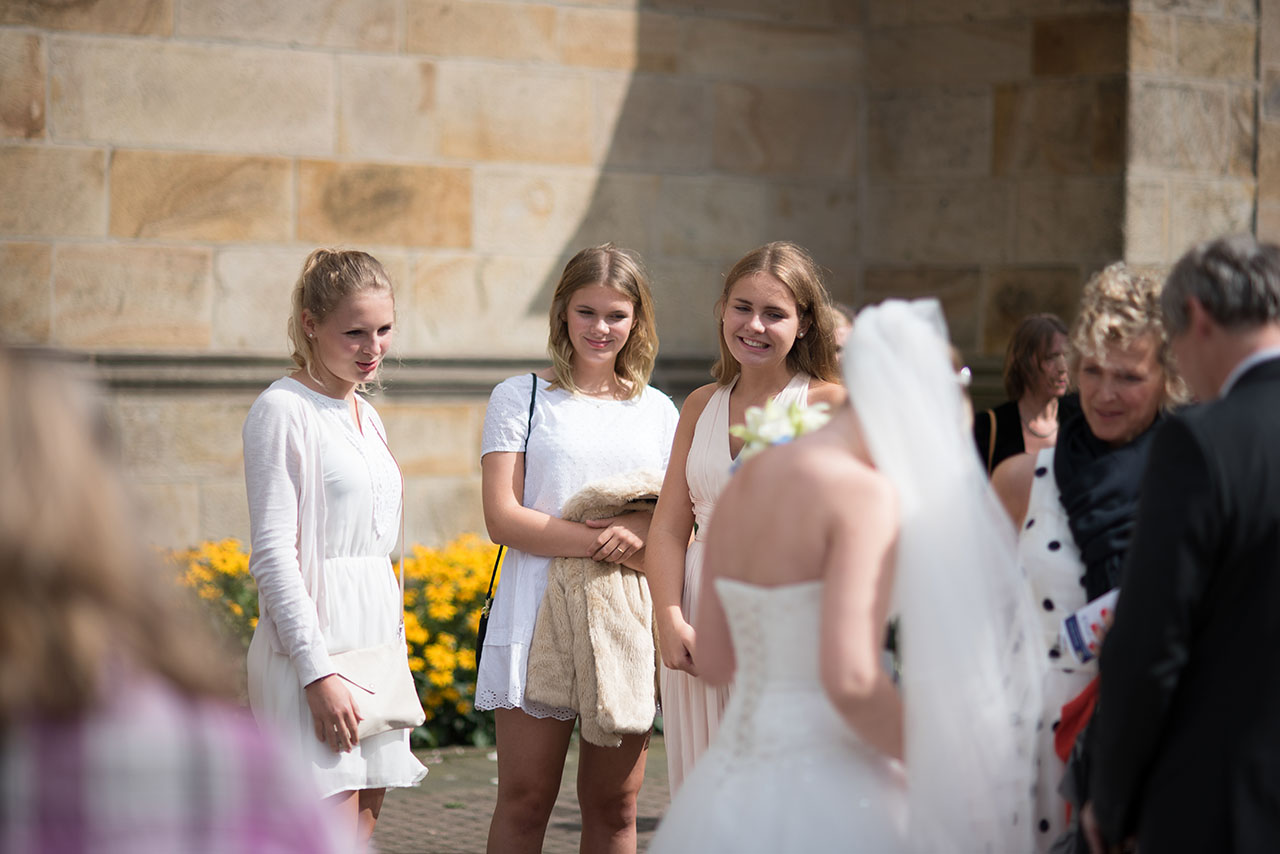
pixel 739 125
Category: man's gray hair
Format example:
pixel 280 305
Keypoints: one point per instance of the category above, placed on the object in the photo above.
pixel 1236 279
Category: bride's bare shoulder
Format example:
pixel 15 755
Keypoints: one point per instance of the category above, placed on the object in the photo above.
pixel 839 474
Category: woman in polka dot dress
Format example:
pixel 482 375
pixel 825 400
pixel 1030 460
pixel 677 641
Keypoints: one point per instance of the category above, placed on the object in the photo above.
pixel 1075 504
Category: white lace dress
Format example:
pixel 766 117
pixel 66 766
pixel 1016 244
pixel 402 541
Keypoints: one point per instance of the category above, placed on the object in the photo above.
pixel 1051 561
pixel 691 708
pixel 324 511
pixel 785 773
pixel 575 440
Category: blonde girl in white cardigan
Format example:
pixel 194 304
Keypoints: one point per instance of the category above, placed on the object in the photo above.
pixel 324 514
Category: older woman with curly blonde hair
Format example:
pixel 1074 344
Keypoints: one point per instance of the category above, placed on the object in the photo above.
pixel 1075 504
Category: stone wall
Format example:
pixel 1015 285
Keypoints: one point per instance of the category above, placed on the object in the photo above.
pixel 1268 140
pixel 165 166
pixel 995 171
pixel 1193 127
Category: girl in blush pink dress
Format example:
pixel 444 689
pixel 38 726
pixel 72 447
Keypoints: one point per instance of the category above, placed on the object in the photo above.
pixel 776 341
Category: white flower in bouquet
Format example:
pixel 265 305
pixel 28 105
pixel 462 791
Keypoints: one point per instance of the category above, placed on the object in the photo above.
pixel 774 424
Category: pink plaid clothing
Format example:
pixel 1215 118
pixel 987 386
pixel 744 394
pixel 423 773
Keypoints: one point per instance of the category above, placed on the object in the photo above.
pixel 154 772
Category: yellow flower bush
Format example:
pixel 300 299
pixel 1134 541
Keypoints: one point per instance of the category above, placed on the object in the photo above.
pixel 219 574
pixel 444 592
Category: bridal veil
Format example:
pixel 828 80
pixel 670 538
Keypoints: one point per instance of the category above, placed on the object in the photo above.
pixel 970 649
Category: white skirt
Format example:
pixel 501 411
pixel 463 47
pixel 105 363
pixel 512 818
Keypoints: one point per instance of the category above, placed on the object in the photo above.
pixel 364 613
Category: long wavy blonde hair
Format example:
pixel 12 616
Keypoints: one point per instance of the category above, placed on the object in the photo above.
pixel 621 270
pixel 81 594
pixel 815 353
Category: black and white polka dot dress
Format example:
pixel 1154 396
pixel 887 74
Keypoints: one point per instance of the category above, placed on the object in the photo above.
pixel 1049 557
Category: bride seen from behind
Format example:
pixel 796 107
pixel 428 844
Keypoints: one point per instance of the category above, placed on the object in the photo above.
pixel 885 511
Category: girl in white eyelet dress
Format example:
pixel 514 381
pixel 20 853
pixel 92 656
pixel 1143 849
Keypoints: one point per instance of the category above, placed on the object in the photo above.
pixel 575 441
pixel 594 416
pixel 324 509
pixel 813 545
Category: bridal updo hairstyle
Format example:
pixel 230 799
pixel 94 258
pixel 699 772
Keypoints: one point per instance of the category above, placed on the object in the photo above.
pixel 815 353
pixel 328 277
pixel 1119 306
pixel 619 270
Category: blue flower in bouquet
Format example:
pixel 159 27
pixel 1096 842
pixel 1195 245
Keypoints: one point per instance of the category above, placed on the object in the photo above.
pixel 774 424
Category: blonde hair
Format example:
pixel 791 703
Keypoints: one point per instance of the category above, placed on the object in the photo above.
pixel 815 353
pixel 82 596
pixel 622 271
pixel 1118 307
pixel 328 277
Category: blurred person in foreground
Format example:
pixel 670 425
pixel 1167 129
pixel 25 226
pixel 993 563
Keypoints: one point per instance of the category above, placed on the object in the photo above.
pixel 1187 737
pixel 118 726
pixel 1035 378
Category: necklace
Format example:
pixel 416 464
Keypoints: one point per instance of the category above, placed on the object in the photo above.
pixel 1036 433
pixel 1026 423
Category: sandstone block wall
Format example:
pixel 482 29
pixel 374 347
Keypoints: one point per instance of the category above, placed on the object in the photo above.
pixel 165 166
pixel 1268 138
pixel 996 134
pixel 1191 171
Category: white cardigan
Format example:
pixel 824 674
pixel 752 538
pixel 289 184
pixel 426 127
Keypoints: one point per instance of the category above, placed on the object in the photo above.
pixel 283 473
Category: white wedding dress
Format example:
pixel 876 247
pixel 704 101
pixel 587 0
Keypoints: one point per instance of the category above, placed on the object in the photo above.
pixel 785 772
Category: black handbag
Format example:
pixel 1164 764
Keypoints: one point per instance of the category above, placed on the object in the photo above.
pixel 497 561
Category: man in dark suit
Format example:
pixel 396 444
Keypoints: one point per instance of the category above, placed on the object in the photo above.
pixel 1186 745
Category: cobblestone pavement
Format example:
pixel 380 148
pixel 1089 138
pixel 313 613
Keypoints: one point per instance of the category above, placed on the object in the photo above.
pixel 449 812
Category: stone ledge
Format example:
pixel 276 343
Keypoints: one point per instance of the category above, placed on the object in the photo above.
pixel 676 376
pixel 417 377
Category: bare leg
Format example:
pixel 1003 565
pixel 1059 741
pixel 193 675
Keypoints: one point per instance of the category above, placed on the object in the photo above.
pixel 609 781
pixel 370 806
pixel 357 813
pixel 531 754
pixel 346 806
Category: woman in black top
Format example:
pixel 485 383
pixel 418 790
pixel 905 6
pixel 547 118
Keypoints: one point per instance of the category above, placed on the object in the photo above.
pixel 1035 378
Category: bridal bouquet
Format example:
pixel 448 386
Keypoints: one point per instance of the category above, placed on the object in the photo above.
pixel 774 424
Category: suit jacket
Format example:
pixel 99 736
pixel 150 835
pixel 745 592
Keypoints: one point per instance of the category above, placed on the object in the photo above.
pixel 1186 745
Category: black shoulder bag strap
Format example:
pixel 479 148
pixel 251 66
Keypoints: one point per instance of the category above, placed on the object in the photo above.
pixel 497 561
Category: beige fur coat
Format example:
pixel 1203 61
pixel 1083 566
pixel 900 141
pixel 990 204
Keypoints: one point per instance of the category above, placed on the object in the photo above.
pixel 594 646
